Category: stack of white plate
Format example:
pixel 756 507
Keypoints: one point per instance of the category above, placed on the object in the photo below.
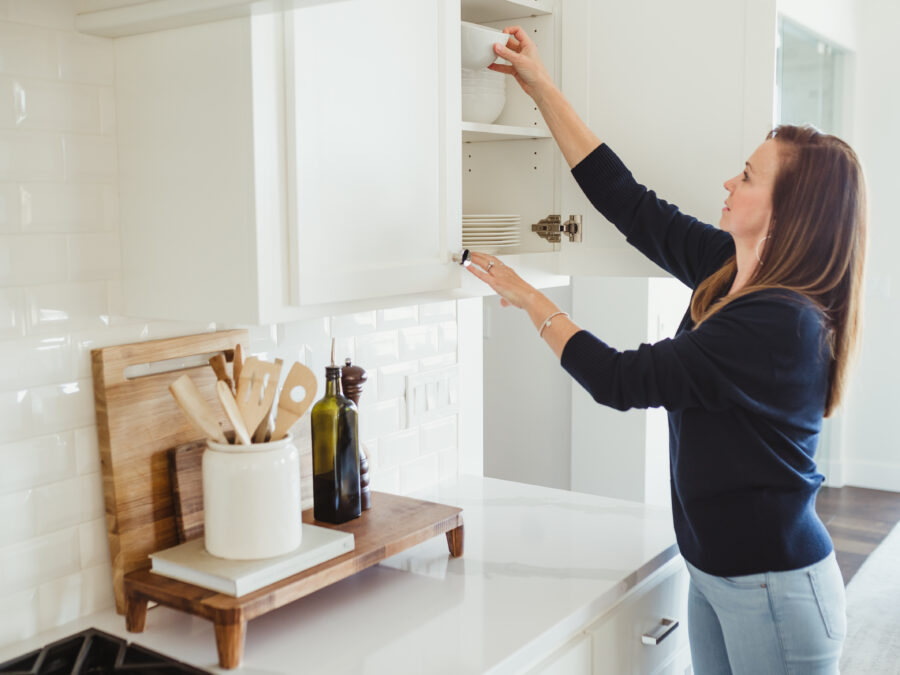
pixel 488 233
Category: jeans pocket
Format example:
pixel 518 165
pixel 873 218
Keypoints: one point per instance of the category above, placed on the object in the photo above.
pixel 828 589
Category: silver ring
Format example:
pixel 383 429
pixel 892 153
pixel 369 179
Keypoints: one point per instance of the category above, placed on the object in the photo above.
pixel 490 265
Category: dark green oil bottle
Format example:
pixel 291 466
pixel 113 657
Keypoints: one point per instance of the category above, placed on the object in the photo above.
pixel 335 451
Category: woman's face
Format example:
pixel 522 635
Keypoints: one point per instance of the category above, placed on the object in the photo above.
pixel 748 208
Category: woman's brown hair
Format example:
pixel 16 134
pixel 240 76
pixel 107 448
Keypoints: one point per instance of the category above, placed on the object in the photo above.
pixel 816 244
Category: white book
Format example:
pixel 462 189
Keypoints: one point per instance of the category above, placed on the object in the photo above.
pixel 191 563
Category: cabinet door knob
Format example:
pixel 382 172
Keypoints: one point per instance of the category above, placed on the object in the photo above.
pixel 660 633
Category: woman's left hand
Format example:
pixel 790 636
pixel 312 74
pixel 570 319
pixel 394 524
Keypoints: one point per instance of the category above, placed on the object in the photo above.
pixel 503 279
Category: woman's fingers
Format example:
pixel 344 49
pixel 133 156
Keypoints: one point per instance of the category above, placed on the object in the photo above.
pixel 506 53
pixel 500 68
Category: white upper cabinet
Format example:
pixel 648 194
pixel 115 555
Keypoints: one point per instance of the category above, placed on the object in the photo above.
pixel 286 159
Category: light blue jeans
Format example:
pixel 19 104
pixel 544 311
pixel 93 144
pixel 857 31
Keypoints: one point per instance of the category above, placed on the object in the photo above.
pixel 773 623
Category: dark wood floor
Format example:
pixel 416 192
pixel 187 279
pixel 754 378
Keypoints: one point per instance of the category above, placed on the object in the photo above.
pixel 858 520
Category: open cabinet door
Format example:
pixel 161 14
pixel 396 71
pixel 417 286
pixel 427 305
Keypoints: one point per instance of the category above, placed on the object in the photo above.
pixel 681 91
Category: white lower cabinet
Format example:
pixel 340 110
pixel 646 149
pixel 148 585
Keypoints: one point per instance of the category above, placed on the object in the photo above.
pixel 614 643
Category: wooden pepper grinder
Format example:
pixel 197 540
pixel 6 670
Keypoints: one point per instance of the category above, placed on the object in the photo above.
pixel 352 380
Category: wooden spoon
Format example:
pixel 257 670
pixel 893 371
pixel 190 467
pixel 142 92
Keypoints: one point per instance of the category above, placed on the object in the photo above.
pixel 266 427
pixel 236 366
pixel 289 410
pixel 218 365
pixel 256 393
pixel 226 398
pixel 196 408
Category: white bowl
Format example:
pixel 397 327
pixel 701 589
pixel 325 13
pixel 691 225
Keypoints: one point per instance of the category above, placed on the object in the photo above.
pixel 482 107
pixel 478 45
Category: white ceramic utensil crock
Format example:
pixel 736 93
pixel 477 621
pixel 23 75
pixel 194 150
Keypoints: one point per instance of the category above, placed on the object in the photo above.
pixel 251 499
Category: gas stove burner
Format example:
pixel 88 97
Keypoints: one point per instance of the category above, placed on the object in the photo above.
pixel 93 652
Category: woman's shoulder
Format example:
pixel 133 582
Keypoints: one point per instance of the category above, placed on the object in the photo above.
pixel 779 315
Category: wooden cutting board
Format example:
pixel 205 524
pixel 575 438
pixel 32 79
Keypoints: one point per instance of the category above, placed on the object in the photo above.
pixel 138 422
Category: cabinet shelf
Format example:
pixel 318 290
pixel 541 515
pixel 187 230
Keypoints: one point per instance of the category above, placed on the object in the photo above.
pixel 486 11
pixel 475 132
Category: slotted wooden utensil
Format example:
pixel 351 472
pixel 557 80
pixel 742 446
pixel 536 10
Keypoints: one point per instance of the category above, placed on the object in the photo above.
pixel 226 398
pixel 196 408
pixel 289 410
pixel 256 391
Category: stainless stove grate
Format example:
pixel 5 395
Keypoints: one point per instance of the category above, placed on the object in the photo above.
pixel 93 652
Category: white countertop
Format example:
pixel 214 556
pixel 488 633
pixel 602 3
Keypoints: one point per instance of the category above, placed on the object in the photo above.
pixel 538 564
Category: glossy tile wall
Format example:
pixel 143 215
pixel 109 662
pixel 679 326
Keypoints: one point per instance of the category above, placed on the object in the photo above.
pixel 60 297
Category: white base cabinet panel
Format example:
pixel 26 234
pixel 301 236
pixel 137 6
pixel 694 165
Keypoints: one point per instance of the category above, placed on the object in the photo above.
pixel 612 644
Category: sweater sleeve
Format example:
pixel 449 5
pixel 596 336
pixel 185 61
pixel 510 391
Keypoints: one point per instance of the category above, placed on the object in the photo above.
pixel 682 245
pixel 761 352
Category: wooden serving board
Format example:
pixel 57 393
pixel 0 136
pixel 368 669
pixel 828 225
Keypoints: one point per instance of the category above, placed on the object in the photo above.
pixel 392 525
pixel 138 422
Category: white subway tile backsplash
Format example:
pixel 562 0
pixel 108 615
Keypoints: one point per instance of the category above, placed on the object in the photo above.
pixel 377 349
pixel 59 601
pixel 438 435
pixel 386 480
pixel 392 379
pixel 87 452
pixel 18 616
pixel 398 317
pixel 435 312
pixel 94 543
pixel 94 257
pixel 36 361
pixel 32 259
pixel 398 449
pixel 90 157
pixel 96 588
pixel 114 334
pixel 7 102
pixel 15 411
pixel 447 337
pixel 39 560
pixel 419 474
pixel 58 14
pixel 9 209
pixel 85 58
pixel 12 313
pixel 65 307
pixel 68 503
pixel 437 362
pixel 62 407
pixel 28 51
pixel 448 464
pixel 18 522
pixel 33 155
pixel 67 207
pixel 57 106
pixel 379 419
pixel 418 343
pixel 107 110
pixel 350 325
pixel 36 461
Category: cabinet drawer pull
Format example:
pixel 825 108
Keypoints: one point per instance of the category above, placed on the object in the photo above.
pixel 660 633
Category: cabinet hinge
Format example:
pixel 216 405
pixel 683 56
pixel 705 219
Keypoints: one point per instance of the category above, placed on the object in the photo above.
pixel 552 229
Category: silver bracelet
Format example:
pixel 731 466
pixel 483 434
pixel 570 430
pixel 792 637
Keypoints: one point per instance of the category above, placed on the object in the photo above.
pixel 546 322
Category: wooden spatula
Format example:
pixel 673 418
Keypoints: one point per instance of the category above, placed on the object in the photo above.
pixel 289 410
pixel 266 427
pixel 236 365
pixel 226 398
pixel 218 365
pixel 196 408
pixel 256 392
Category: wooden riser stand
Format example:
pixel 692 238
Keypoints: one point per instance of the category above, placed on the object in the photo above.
pixel 392 525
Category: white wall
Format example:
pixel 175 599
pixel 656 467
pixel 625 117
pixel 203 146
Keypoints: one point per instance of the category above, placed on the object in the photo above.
pixel 527 398
pixel 60 297
pixel 870 450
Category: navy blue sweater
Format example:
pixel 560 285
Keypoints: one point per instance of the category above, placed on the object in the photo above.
pixel 745 392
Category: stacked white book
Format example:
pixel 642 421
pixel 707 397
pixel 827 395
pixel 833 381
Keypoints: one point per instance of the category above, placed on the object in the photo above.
pixel 190 562
pixel 489 233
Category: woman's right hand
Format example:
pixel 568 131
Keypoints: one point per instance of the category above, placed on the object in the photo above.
pixel 526 64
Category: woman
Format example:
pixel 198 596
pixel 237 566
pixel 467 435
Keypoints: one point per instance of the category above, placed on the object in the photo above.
pixel 760 357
